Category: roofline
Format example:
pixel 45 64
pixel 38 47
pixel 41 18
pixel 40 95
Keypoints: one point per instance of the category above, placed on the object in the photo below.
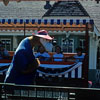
pixel 97 32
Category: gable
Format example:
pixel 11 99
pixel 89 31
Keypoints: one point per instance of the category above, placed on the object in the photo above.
pixel 66 8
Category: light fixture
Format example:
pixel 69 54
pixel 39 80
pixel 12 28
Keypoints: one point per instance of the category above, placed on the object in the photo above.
pixel 47 6
pixel 54 42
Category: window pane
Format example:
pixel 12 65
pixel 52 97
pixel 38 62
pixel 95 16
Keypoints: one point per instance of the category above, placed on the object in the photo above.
pixel 67 45
pixel 7 44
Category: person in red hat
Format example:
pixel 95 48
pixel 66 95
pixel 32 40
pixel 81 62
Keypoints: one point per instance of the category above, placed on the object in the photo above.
pixel 22 69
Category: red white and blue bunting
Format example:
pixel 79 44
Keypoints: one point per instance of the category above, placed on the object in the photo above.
pixel 65 71
pixel 53 70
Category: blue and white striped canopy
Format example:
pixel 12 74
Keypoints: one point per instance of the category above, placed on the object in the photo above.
pixel 46 21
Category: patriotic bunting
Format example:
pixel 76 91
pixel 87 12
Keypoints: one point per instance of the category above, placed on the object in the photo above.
pixel 61 70
pixel 52 70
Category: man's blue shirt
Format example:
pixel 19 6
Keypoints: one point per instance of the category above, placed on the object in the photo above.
pixel 22 58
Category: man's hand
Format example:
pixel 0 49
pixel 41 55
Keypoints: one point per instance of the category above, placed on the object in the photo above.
pixel 32 67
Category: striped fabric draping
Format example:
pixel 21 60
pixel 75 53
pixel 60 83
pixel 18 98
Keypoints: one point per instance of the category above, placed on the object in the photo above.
pixel 64 71
pixel 46 21
pixel 50 70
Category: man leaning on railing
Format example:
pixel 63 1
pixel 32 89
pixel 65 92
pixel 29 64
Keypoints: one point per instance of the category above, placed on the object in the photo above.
pixel 23 67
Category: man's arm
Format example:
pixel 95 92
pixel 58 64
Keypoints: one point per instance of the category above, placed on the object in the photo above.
pixel 22 64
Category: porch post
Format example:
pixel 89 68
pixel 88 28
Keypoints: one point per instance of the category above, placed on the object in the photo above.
pixel 24 29
pixel 93 53
pixel 14 43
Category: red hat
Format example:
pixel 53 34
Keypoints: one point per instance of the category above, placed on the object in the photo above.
pixel 43 34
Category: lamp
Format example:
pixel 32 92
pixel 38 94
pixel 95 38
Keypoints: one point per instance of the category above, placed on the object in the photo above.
pixel 47 6
pixel 54 42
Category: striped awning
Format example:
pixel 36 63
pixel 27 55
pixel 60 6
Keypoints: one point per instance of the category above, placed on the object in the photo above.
pixel 47 24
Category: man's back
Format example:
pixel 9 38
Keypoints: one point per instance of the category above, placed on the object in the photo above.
pixel 22 57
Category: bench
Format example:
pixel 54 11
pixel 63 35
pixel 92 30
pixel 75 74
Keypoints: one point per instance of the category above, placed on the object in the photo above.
pixel 50 53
